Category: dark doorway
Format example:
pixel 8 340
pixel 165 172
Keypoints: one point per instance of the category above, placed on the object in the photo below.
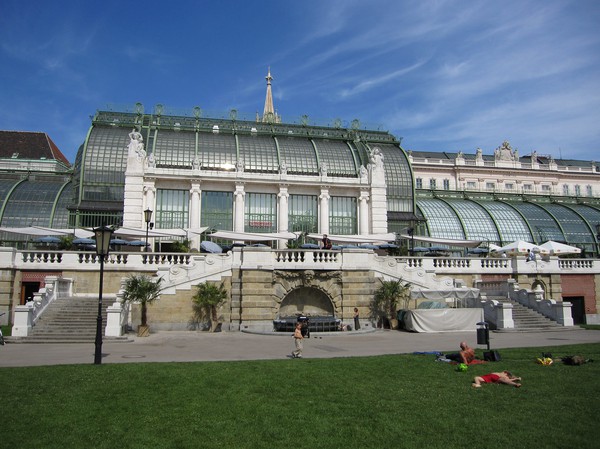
pixel 577 309
pixel 27 291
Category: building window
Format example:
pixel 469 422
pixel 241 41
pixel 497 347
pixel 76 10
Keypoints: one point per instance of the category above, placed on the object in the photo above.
pixel 342 215
pixel 589 191
pixel 419 182
pixel 217 210
pixel 471 185
pixel 302 213
pixel 446 184
pixel 171 209
pixel 565 189
pixel 527 187
pixel 509 186
pixel 490 186
pixel 546 188
pixel 432 184
pixel 261 212
pixel 577 190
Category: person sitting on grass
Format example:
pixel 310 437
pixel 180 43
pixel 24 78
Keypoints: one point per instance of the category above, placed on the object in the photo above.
pixel 466 354
pixel 505 377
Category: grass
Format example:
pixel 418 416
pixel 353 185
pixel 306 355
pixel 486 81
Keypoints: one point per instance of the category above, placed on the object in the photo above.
pixel 407 401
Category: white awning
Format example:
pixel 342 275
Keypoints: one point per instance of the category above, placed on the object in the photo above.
pixel 39 230
pixel 449 242
pixel 357 239
pixel 254 236
pixel 176 232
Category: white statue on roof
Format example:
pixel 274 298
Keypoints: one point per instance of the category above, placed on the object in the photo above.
pixel 136 144
pixel 504 152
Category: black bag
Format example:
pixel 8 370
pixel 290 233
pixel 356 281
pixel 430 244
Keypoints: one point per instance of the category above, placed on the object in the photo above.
pixel 492 356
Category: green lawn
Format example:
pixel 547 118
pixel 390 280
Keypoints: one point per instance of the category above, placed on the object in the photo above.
pixel 370 402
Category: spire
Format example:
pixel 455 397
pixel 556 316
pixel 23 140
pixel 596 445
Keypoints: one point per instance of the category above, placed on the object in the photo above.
pixel 269 112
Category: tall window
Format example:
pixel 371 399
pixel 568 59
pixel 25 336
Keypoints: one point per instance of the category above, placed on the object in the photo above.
pixel 589 190
pixel 419 182
pixel 490 186
pixel 446 184
pixel 261 212
pixel 565 189
pixel 217 210
pixel 171 209
pixel 577 190
pixel 342 215
pixel 302 213
pixel 432 184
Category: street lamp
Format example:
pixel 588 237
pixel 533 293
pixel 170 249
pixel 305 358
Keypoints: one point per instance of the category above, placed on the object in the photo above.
pixel 147 219
pixel 103 236
pixel 411 232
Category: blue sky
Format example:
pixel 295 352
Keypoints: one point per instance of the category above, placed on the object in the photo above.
pixel 443 75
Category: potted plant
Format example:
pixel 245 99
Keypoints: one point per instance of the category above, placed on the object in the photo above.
pixel 142 289
pixel 385 302
pixel 207 300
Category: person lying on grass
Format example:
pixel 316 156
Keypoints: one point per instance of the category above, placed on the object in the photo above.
pixel 504 377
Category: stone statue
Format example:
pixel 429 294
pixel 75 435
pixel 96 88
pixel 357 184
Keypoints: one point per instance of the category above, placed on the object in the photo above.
pixel 504 152
pixel 534 157
pixel 323 169
pixel 377 158
pixel 136 144
pixel 196 163
pixel 239 165
pixel 363 172
pixel 460 155
pixel 283 168
pixel 479 154
pixel 150 161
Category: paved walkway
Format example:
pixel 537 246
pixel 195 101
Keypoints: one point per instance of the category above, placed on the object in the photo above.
pixel 226 346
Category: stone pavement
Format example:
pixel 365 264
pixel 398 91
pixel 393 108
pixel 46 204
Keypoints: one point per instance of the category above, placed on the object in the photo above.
pixel 228 346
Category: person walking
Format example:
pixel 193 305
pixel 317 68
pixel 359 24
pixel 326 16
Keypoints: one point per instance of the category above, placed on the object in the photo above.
pixel 298 337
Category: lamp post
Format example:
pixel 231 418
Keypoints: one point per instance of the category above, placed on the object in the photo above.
pixel 147 219
pixel 411 232
pixel 103 236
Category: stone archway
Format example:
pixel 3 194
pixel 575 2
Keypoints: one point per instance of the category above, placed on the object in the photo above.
pixel 309 301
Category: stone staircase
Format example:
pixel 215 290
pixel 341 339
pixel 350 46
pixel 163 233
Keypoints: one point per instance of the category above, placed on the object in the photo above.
pixel 69 320
pixel 528 320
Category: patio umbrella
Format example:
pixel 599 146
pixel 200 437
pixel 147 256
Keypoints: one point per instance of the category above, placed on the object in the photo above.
pixel 388 246
pixel 84 241
pixel 210 247
pixel 515 248
pixel 368 246
pixel 478 251
pixel 137 243
pixel 309 246
pixel 47 239
pixel 118 242
pixel 420 249
pixel 559 248
pixel 438 248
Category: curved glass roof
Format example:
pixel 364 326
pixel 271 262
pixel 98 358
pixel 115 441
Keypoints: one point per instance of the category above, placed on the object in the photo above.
pixel 398 177
pixel 32 203
pixel 476 220
pixel 511 225
pixel 543 225
pixel 574 228
pixel 259 153
pixel 299 155
pixel 174 149
pixel 442 220
pixel 338 157
pixel 217 151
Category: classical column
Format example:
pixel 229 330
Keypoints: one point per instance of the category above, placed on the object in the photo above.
pixel 363 210
pixel 282 219
pixel 324 211
pixel 194 222
pixel 238 212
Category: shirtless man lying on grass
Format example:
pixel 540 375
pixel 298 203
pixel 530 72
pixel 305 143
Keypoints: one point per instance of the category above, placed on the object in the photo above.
pixel 505 377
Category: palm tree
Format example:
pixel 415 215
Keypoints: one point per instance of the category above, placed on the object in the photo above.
pixel 143 289
pixel 207 301
pixel 387 297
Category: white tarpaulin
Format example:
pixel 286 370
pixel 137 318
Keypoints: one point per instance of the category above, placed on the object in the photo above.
pixel 521 247
pixel 253 236
pixel 442 295
pixel 442 320
pixel 449 242
pixel 39 230
pixel 357 239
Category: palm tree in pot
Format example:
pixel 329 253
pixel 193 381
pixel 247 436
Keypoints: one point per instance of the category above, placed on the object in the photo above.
pixel 385 302
pixel 142 289
pixel 207 300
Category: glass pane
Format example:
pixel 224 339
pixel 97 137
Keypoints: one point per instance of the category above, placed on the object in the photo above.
pixel 217 210
pixel 337 156
pixel 259 153
pixel 174 149
pixel 303 213
pixel 171 209
pixel 261 212
pixel 342 215
pixel 442 221
pixel 298 154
